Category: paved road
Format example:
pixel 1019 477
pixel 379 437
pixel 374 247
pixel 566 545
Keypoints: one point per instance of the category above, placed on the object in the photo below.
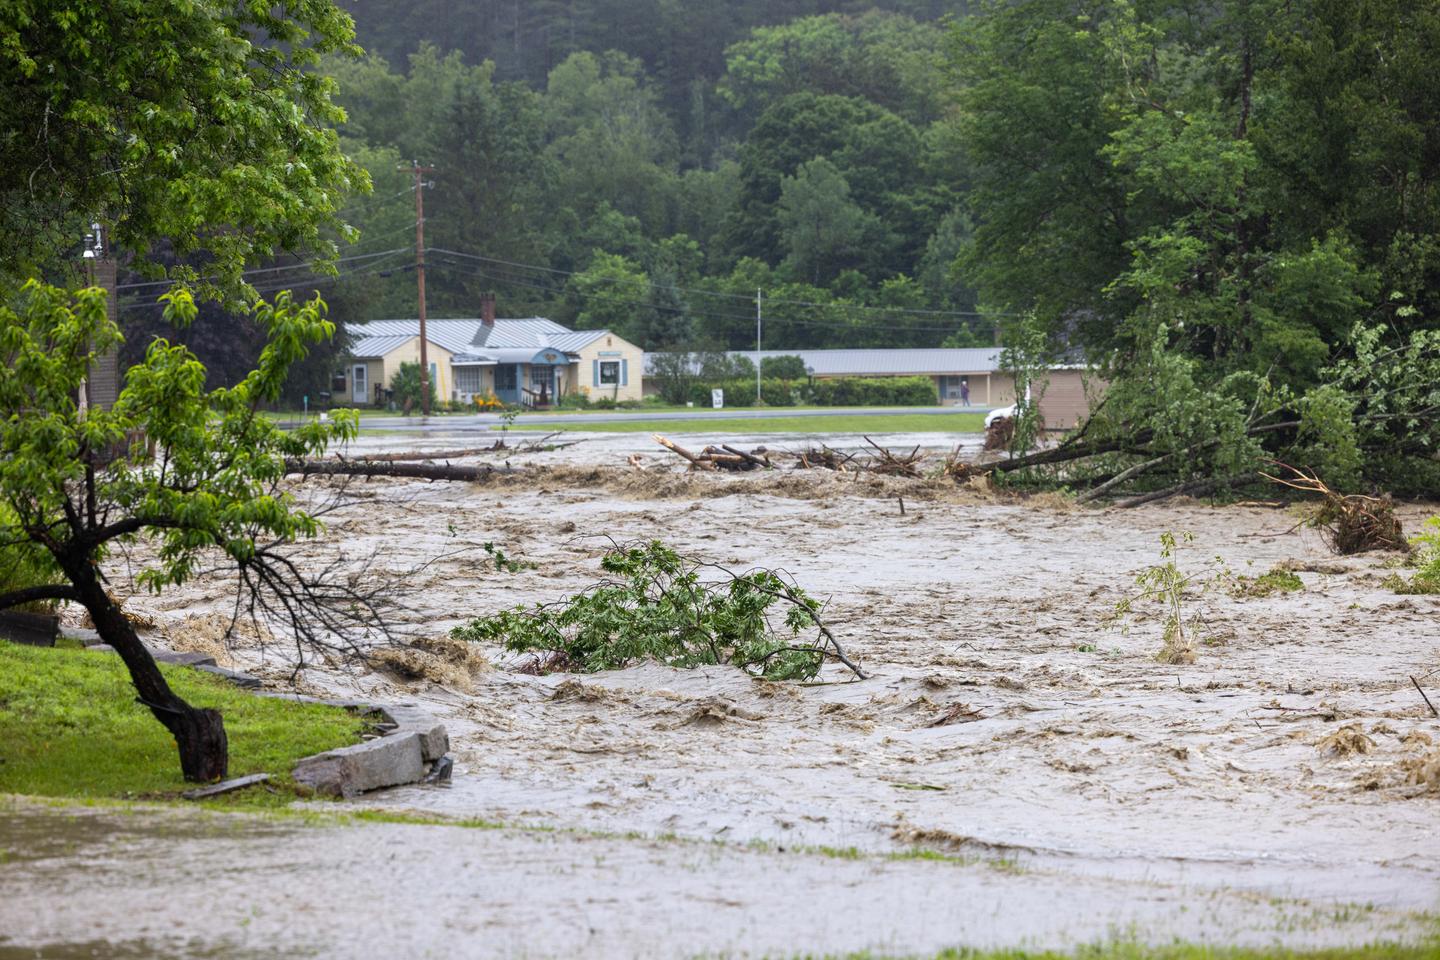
pixel 541 421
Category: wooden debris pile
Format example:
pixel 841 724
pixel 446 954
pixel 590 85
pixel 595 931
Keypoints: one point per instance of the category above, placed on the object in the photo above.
pixel 824 458
pixel 722 457
pixel 887 464
pixel 1349 523
pixel 728 457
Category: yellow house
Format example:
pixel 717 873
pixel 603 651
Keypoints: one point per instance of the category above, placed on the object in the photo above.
pixel 380 347
pixel 524 362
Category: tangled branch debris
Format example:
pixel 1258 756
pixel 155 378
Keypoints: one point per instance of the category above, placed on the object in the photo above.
pixel 729 457
pixel 1349 523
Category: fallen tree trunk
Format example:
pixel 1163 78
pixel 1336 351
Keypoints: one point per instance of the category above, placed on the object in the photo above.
pixel 382 468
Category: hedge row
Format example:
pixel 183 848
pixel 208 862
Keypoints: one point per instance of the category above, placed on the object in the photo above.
pixel 844 392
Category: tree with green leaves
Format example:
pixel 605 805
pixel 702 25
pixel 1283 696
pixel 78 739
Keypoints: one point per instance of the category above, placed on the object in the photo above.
pixel 202 123
pixel 823 230
pixel 80 484
pixel 198 134
pixel 1231 206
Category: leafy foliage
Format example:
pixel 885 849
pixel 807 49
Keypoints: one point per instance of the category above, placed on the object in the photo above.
pixel 406 388
pixel 1167 585
pixel 203 124
pixel 657 604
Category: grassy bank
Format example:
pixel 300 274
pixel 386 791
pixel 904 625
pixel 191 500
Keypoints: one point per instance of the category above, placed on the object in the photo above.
pixel 1131 951
pixel 842 423
pixel 70 727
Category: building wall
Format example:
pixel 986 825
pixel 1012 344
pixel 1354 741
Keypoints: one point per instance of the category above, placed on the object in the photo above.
pixel 1067 398
pixel 580 377
pixel 409 352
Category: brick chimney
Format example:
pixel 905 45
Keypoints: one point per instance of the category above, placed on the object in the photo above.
pixel 487 309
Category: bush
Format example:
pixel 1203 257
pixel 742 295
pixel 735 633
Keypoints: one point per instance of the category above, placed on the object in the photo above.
pixel 655 605
pixel 783 368
pixel 573 401
pixel 843 392
pixel 405 386
pixel 875 391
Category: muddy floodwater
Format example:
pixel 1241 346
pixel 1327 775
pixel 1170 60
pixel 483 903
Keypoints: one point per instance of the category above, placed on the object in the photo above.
pixel 1017 770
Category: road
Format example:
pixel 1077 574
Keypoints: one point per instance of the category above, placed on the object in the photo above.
pixel 541 421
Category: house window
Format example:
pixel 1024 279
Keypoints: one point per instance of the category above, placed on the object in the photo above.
pixel 505 377
pixel 609 373
pixel 467 379
pixel 337 381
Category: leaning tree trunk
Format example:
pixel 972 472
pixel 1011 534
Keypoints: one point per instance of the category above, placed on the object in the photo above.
pixel 199 733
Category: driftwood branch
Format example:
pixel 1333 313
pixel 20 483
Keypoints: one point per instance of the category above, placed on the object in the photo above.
pixel 380 468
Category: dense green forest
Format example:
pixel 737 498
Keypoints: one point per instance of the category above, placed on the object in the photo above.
pixel 1231 207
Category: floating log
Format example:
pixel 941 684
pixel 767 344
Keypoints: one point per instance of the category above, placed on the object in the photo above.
pixel 379 468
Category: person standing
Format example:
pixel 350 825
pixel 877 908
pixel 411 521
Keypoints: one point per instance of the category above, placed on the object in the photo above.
pixel 965 391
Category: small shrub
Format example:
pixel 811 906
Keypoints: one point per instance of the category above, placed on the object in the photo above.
pixel 1166 584
pixel 503 563
pixel 1278 580
pixel 405 386
pixel 655 604
pixel 1426 560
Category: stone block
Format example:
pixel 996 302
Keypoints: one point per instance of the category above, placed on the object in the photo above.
pixel 434 739
pixel 234 676
pixel 386 762
pixel 183 659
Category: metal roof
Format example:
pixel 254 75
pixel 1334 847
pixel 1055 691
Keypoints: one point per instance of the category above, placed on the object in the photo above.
pixel 575 342
pixel 452 335
pixel 885 362
pixel 373 347
pixel 466 335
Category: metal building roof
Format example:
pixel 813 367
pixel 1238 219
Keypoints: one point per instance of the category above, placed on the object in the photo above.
pixel 453 335
pixel 471 339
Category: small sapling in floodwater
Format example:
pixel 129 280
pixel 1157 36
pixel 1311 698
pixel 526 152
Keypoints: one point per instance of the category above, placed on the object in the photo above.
pixel 1167 585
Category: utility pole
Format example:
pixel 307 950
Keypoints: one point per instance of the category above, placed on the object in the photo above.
pixel 420 186
pixel 759 322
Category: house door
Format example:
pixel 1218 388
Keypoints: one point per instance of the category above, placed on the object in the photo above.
pixel 359 384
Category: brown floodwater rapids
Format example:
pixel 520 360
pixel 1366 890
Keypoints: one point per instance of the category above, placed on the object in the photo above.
pixel 1089 792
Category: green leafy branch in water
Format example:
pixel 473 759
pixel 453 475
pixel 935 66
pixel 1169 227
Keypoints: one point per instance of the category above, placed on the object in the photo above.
pixel 1426 558
pixel 1166 584
pixel 504 563
pixel 655 605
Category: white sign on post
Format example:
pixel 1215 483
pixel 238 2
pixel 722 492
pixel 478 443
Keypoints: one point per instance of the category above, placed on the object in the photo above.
pixel 717 399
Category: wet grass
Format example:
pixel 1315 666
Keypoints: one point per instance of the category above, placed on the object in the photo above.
pixel 1132 951
pixel 70 727
pixel 874 423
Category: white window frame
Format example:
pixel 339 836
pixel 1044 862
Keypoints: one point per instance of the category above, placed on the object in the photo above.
pixel 612 367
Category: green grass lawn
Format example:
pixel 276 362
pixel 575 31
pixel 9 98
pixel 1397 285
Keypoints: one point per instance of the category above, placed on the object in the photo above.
pixel 70 727
pixel 1128 951
pixel 849 423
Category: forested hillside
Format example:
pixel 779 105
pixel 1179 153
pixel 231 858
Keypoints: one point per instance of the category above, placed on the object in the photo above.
pixel 1231 207
pixel 649 166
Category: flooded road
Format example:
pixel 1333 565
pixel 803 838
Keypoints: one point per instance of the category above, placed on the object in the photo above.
pixel 1085 792
pixel 165 884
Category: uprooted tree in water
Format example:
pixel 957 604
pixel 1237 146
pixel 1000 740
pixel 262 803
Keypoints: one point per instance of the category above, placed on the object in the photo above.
pixel 79 484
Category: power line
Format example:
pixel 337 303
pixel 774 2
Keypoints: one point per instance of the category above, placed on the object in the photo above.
pixel 373 269
pixel 739 296
pixel 259 270
pixel 690 311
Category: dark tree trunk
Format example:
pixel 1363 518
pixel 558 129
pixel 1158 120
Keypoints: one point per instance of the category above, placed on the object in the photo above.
pixel 199 733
